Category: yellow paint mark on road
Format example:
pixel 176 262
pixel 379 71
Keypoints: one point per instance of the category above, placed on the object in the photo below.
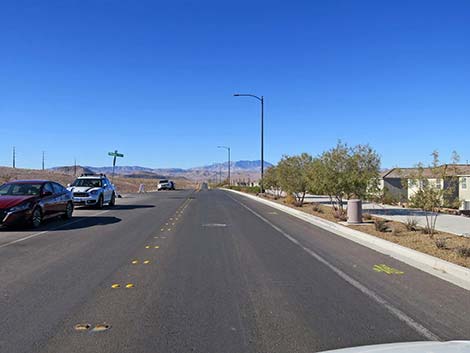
pixel 116 285
pixel 168 229
pixel 146 262
pixel 157 247
pixel 147 246
pixel 135 262
pixel 130 285
pixel 101 327
pixel 82 327
pixel 387 269
pixel 163 229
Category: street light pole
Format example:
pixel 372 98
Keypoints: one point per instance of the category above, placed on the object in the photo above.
pixel 228 150
pixel 261 99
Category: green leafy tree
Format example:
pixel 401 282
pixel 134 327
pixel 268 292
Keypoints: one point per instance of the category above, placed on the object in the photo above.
pixel 346 172
pixel 272 181
pixel 293 175
pixel 435 187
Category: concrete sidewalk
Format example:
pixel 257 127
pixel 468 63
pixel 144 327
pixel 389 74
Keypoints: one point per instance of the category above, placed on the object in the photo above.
pixel 458 225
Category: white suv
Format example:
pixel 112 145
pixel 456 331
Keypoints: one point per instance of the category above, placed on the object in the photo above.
pixel 93 190
pixel 165 185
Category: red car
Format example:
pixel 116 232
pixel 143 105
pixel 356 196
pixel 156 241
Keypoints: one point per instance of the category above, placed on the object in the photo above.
pixel 32 201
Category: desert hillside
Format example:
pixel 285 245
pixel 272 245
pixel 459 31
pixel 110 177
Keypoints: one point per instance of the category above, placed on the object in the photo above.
pixel 123 184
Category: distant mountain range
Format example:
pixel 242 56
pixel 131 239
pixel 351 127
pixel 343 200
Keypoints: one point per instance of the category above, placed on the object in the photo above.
pixel 239 170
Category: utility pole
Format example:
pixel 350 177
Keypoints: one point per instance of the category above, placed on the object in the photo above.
pixel 75 167
pixel 14 157
pixel 42 160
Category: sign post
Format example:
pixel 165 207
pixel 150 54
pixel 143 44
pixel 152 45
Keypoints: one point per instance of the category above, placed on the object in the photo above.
pixel 114 154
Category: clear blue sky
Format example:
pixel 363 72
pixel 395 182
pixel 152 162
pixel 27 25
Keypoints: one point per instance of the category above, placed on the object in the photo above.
pixel 155 79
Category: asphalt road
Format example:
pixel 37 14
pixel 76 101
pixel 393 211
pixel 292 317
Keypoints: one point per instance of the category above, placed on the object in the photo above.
pixel 224 274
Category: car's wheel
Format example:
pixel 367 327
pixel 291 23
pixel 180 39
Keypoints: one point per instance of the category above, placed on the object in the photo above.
pixel 36 218
pixel 112 202
pixel 68 210
pixel 100 202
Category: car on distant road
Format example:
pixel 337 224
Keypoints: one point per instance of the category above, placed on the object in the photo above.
pixel 93 190
pixel 32 201
pixel 165 185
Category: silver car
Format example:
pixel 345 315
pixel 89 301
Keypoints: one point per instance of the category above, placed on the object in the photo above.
pixel 93 190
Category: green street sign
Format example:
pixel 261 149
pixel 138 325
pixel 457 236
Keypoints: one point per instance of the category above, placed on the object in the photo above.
pixel 115 154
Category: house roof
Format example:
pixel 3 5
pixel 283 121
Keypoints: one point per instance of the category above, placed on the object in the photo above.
pixel 451 170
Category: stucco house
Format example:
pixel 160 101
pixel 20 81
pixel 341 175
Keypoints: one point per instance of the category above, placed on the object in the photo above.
pixel 402 184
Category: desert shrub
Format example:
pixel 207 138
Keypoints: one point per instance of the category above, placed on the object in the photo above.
pixel 411 224
pixel 394 230
pixel 290 199
pixel 316 207
pixel 463 251
pixel 429 230
pixel 380 225
pixel 249 189
pixel 340 215
pixel 441 243
pixel 252 189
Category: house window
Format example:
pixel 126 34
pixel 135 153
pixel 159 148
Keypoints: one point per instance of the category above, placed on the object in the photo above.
pixel 438 184
pixel 464 183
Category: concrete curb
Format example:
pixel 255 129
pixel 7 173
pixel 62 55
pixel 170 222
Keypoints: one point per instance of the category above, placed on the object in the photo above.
pixel 455 274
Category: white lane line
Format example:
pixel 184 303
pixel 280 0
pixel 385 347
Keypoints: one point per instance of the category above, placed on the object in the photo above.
pixel 368 292
pixel 47 231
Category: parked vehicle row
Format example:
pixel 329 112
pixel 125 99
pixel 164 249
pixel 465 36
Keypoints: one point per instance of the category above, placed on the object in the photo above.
pixel 33 201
